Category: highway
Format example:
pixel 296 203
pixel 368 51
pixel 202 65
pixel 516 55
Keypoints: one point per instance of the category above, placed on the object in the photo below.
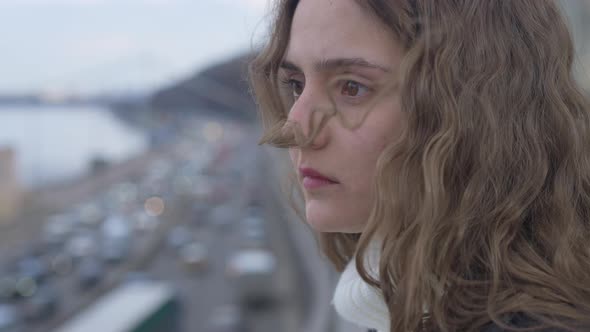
pixel 237 175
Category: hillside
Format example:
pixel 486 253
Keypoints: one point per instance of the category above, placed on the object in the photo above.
pixel 222 87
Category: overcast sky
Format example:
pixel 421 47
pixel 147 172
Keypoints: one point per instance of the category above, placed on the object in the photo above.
pixel 92 46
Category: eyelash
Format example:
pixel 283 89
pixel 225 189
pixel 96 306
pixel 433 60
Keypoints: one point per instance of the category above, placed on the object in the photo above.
pixel 288 83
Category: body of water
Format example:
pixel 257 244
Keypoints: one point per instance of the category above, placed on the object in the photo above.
pixel 58 143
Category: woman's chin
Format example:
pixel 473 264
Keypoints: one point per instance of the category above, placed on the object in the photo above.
pixel 325 220
pixel 322 226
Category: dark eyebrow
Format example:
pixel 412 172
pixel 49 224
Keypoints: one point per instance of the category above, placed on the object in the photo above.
pixel 332 64
pixel 288 65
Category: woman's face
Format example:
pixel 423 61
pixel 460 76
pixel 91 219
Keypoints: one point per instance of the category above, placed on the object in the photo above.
pixel 339 55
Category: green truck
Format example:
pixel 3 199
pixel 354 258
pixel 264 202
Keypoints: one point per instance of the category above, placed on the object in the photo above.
pixel 132 307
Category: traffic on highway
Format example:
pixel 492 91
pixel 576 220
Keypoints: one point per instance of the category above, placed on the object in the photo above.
pixel 183 244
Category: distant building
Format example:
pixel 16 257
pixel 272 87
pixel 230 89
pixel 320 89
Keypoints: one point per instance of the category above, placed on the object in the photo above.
pixel 11 194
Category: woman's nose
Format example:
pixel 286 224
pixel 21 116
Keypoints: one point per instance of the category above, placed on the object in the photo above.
pixel 309 113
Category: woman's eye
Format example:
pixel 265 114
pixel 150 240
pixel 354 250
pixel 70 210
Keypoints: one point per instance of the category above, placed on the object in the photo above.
pixel 353 89
pixel 295 87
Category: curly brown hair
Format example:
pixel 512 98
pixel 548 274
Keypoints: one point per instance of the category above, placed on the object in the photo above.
pixel 483 204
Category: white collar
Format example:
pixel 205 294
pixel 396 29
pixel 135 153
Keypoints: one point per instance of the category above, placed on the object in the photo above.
pixel 358 302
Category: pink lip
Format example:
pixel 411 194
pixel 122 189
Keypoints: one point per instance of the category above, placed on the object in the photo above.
pixel 312 179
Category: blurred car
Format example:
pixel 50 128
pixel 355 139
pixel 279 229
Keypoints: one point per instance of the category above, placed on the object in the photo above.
pixel 42 306
pixel 61 263
pixel 116 226
pixel 253 232
pixel 160 169
pixel 179 236
pixel 81 245
pixel 116 239
pixel 194 256
pixel 33 267
pixel 199 212
pixel 142 222
pixel 90 272
pixel 254 238
pixel 8 291
pixel 202 188
pixel 226 318
pixel 57 228
pixel 115 250
pixel 25 287
pixel 137 277
pixel 183 184
pixel 16 285
pixel 122 196
pixel 222 216
pixel 254 207
pixel 90 214
pixel 253 221
pixel 252 272
pixel 9 318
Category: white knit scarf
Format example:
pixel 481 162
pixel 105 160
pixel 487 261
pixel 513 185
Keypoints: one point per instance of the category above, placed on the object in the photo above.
pixel 358 302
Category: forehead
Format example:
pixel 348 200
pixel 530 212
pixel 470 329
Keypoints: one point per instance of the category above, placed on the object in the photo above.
pixel 324 29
